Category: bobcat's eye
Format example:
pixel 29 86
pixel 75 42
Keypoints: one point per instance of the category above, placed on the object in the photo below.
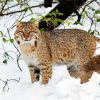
pixel 33 34
pixel 20 33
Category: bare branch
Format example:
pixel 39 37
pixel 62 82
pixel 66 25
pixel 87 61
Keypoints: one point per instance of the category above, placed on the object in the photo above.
pixel 19 11
pixel 91 19
pixel 19 54
pixel 15 5
pixel 87 3
pixel 98 3
pixel 6 83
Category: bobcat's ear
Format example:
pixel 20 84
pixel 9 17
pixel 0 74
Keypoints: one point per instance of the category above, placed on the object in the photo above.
pixel 18 23
pixel 36 22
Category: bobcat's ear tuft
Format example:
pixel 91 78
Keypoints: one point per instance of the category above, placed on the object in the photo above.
pixel 36 22
pixel 18 23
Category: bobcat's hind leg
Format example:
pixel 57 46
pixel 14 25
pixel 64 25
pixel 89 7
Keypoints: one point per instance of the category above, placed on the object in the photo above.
pixel 82 74
pixel 85 74
pixel 34 73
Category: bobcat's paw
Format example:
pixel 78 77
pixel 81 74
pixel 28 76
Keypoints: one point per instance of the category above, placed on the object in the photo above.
pixel 44 82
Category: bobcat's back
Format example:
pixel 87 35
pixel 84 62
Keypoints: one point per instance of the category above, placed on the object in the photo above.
pixel 68 45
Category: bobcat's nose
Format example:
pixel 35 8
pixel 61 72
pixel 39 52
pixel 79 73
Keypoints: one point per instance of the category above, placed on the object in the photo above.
pixel 26 38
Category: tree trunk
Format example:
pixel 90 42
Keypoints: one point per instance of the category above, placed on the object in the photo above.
pixel 48 3
pixel 66 7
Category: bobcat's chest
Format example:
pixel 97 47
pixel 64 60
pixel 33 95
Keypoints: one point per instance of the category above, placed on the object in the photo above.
pixel 30 56
pixel 31 60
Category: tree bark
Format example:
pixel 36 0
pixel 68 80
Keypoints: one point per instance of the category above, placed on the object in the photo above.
pixel 66 7
pixel 48 3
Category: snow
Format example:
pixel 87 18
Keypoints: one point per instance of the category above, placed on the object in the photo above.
pixel 60 87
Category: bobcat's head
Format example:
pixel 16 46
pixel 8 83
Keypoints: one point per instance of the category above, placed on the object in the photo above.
pixel 26 33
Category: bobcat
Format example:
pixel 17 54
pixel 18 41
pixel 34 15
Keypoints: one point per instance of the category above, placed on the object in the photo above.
pixel 41 50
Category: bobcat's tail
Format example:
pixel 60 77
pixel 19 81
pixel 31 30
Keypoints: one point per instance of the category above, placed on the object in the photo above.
pixel 94 64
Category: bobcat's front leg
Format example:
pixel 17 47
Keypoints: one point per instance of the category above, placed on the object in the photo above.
pixel 34 73
pixel 46 72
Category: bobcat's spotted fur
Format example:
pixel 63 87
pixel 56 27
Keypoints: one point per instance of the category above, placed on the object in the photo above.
pixel 40 50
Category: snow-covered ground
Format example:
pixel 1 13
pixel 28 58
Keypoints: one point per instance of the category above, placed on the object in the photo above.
pixel 60 87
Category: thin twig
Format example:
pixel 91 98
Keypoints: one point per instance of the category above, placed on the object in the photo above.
pixel 19 54
pixel 6 83
pixel 98 3
pixel 3 6
pixel 18 57
pixel 86 4
pixel 23 10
